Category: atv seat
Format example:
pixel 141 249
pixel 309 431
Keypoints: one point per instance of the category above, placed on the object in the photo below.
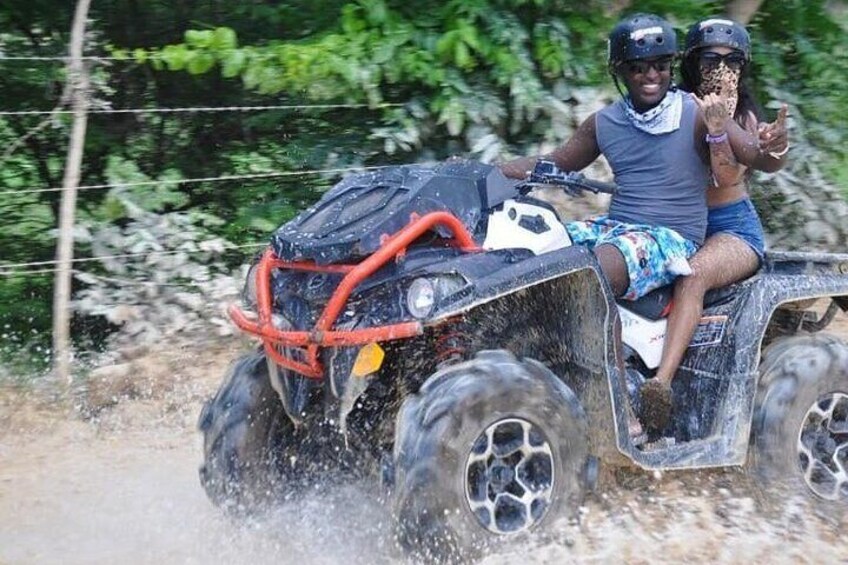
pixel 657 304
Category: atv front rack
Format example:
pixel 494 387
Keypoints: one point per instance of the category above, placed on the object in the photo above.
pixel 276 340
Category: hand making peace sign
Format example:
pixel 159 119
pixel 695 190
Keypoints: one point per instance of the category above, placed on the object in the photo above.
pixel 774 138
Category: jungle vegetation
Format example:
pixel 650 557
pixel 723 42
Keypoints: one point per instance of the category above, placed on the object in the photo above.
pixel 423 81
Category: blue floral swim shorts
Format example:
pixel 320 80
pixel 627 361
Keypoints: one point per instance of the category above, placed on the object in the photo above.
pixel 655 255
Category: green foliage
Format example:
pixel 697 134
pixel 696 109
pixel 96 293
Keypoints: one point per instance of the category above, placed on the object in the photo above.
pixel 802 51
pixel 25 323
pixel 25 235
pixel 479 78
pixel 456 59
pixel 124 202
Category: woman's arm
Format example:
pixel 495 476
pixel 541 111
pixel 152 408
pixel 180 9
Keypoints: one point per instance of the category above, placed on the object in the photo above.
pixel 744 145
pixel 715 122
pixel 574 155
pixel 747 150
pixel 765 150
pixel 774 137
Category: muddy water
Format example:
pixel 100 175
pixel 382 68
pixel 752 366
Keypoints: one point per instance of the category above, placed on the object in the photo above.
pixel 123 488
pixel 123 491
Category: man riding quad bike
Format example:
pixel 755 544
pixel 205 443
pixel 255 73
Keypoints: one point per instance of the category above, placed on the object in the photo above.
pixel 433 326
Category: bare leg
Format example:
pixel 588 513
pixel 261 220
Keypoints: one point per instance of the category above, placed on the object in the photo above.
pixel 614 268
pixel 724 259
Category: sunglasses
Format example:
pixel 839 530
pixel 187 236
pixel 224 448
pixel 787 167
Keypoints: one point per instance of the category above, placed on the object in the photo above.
pixel 710 60
pixel 642 66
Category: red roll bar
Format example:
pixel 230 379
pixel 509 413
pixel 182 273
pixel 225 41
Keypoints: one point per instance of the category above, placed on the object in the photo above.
pixel 323 334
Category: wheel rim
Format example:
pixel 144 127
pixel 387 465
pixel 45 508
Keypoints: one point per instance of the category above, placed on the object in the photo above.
pixel 823 447
pixel 509 476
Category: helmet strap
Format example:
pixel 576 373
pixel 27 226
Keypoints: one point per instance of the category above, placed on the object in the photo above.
pixel 617 83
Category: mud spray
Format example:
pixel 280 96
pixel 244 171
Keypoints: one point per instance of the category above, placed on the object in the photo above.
pixel 122 487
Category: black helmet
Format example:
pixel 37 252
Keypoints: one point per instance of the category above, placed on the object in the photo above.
pixel 640 36
pixel 718 32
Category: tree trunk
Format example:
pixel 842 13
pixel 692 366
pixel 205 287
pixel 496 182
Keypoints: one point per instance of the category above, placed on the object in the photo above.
pixel 615 7
pixel 742 10
pixel 78 76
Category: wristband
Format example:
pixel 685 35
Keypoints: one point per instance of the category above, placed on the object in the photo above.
pixel 779 154
pixel 720 138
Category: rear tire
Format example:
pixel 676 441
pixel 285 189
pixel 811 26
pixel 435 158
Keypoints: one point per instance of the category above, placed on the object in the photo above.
pixel 800 431
pixel 246 438
pixel 487 449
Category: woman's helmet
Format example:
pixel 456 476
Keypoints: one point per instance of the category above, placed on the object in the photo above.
pixel 640 36
pixel 718 32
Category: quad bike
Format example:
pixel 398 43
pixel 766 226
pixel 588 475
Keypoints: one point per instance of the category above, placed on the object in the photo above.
pixel 434 327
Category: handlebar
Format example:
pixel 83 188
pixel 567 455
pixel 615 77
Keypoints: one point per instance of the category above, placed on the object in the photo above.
pixel 547 173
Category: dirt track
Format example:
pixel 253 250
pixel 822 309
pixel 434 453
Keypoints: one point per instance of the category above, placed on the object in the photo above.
pixel 123 488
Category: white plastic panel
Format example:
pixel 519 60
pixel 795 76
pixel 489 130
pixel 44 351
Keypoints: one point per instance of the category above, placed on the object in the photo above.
pixel 505 231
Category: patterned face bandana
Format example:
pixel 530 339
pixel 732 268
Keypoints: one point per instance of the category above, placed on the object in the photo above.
pixel 712 81
pixel 662 118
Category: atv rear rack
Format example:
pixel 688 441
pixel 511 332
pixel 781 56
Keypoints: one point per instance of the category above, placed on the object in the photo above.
pixel 276 340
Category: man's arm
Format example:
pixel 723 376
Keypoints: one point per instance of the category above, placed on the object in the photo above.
pixel 574 155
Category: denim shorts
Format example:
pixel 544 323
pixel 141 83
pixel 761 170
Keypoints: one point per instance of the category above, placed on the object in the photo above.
pixel 653 254
pixel 739 219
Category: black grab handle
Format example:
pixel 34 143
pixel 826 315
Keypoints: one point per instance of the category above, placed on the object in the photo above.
pixel 547 173
pixel 595 186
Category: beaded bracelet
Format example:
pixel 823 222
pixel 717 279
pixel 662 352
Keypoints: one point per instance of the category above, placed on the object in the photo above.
pixel 720 138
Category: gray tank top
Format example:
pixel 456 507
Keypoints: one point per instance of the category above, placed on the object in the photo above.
pixel 661 179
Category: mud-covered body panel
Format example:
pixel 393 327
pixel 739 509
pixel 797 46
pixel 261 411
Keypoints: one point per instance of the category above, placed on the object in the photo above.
pixel 715 388
pixel 350 221
pixel 492 277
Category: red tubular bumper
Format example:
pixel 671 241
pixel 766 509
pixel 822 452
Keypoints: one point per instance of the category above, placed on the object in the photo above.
pixel 323 334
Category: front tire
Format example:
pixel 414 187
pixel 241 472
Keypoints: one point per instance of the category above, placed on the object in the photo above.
pixel 246 435
pixel 800 432
pixel 489 448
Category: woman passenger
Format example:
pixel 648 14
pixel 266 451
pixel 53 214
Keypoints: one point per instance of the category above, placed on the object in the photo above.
pixel 716 56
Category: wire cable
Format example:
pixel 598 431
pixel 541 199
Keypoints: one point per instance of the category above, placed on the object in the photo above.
pixel 7 269
pixel 197 180
pixel 61 58
pixel 200 109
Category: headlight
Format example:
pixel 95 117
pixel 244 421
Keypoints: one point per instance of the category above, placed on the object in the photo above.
pixel 420 298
